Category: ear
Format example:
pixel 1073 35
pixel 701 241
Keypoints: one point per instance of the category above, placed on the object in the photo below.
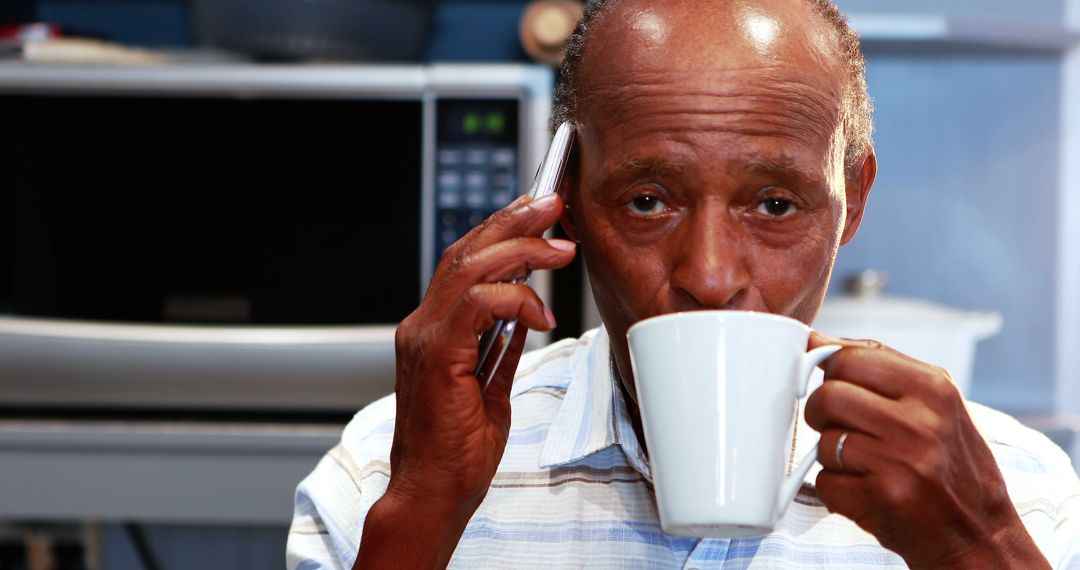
pixel 568 191
pixel 859 181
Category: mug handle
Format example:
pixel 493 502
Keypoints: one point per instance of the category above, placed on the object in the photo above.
pixel 793 482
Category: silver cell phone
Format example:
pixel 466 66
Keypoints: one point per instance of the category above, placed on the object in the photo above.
pixel 495 341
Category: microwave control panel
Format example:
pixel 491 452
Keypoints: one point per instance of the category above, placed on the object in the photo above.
pixel 476 164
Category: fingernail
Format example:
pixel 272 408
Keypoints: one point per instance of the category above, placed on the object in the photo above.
pixel 520 201
pixel 549 316
pixel 562 244
pixel 544 202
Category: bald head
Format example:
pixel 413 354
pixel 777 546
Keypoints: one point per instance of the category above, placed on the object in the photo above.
pixel 696 45
pixel 720 163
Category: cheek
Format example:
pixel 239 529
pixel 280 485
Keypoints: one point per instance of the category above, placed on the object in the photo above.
pixel 792 280
pixel 626 277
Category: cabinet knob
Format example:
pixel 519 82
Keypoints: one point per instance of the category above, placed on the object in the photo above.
pixel 545 27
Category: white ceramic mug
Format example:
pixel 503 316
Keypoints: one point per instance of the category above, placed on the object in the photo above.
pixel 717 393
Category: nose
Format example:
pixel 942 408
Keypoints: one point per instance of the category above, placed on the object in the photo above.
pixel 710 269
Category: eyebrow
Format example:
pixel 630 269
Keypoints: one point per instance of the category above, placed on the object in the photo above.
pixel 659 167
pixel 783 165
pixel 655 166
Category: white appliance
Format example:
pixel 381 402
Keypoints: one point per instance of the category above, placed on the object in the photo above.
pixel 933 333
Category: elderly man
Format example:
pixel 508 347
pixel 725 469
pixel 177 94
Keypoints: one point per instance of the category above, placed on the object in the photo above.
pixel 724 157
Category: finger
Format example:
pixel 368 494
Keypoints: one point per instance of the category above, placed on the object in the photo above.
pixel 522 218
pixel 857 456
pixel 845 405
pixel 846 494
pixel 513 259
pixel 497 394
pixel 872 365
pixel 482 305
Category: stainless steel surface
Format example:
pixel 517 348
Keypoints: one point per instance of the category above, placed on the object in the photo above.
pixel 156 472
pixel 310 80
pixel 427 194
pixel 231 78
pixel 69 363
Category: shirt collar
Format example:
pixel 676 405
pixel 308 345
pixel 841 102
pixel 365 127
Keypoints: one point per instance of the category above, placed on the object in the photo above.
pixel 594 416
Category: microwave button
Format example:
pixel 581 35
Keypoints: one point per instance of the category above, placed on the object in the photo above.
pixel 448 237
pixel 476 157
pixel 475 219
pixel 450 157
pixel 449 219
pixel 476 180
pixel 450 181
pixel 476 198
pixel 503 157
pixel 449 199
pixel 450 189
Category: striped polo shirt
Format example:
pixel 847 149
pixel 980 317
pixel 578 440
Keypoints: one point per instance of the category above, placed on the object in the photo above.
pixel 574 490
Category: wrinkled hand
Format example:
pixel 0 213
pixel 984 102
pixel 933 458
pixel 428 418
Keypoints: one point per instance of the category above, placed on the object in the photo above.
pixel 916 473
pixel 450 435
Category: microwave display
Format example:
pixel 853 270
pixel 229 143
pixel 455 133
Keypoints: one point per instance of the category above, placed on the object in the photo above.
pixel 187 209
pixel 476 164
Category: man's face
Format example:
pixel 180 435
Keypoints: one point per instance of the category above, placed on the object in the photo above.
pixel 712 168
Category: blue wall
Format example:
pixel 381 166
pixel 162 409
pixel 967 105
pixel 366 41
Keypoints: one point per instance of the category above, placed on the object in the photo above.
pixel 964 209
pixel 1043 10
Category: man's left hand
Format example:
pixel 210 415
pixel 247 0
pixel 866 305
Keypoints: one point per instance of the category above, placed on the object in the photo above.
pixel 915 471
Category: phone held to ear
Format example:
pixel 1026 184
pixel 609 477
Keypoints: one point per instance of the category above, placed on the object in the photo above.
pixel 495 341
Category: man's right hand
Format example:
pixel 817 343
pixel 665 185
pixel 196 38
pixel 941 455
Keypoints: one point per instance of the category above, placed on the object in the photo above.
pixel 449 435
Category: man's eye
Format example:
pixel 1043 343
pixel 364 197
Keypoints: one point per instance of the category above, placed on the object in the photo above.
pixel 646 205
pixel 777 207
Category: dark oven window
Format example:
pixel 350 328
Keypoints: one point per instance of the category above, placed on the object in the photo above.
pixel 210 210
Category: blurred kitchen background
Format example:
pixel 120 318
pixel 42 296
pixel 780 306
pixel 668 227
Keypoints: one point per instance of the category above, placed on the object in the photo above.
pixel 212 213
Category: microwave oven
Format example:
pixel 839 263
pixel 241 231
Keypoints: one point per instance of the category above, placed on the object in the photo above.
pixel 240 236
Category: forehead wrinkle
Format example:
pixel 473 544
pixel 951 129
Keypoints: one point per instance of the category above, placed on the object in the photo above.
pixel 697 76
pixel 668 122
pixel 789 98
pixel 785 134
